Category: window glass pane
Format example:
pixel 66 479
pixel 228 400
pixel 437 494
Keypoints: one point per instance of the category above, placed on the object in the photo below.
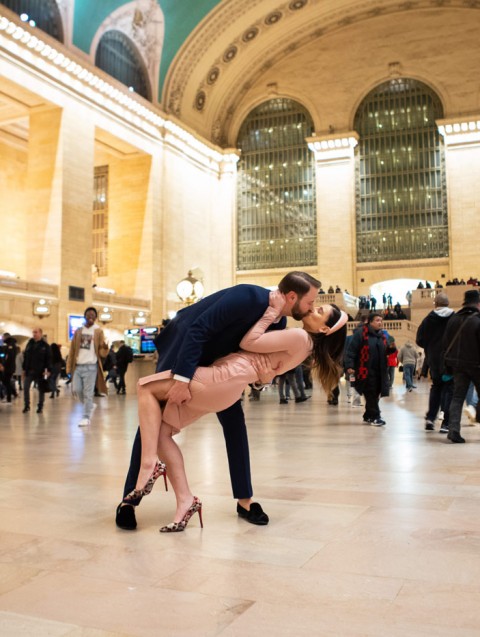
pixel 117 55
pixel 276 189
pixel 100 220
pixel 401 202
pixel 44 14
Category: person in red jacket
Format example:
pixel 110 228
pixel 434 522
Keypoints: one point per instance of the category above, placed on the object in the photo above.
pixel 392 361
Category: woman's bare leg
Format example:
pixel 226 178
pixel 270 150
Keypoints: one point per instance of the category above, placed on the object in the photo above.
pixel 150 418
pixel 173 458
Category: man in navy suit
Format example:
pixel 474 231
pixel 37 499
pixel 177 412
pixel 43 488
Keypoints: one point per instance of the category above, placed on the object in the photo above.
pixel 199 335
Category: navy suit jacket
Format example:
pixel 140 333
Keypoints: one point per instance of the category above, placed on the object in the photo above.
pixel 211 328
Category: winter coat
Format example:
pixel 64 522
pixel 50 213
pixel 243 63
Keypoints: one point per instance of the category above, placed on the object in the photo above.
pixel 392 356
pixel 464 354
pixel 377 360
pixel 9 353
pixel 430 337
pixel 408 354
pixel 37 358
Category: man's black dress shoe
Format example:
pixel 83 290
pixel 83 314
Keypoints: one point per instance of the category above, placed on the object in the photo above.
pixel 125 518
pixel 454 436
pixel 301 399
pixel 256 515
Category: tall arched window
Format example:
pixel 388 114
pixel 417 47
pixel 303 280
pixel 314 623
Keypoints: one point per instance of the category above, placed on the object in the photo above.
pixel 276 188
pixel 43 14
pixel 118 56
pixel 400 188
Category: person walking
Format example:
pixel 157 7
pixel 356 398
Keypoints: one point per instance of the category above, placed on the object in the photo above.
pixel 408 358
pixel 124 357
pixel 8 354
pixel 430 335
pixel 366 359
pixel 84 363
pixel 462 355
pixel 37 366
pixel 392 361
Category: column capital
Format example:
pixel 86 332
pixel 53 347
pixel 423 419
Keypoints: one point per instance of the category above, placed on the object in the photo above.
pixel 460 131
pixel 334 146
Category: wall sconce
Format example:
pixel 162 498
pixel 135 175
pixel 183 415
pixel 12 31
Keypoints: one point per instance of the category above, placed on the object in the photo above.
pixel 106 316
pixel 41 308
pixel 139 318
pixel 190 290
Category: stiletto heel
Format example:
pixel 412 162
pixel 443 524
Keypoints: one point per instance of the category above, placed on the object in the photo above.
pixel 160 469
pixel 176 527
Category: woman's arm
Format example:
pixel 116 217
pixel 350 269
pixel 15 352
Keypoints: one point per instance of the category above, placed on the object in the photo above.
pixel 258 340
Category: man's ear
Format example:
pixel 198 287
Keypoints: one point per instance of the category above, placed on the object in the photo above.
pixel 291 298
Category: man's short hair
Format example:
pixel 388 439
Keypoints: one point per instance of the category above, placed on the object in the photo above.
pixel 6 335
pixel 298 282
pixel 441 300
pixel 472 297
pixel 372 315
pixel 91 309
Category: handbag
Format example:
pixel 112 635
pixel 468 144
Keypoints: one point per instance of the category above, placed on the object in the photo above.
pixel 400 368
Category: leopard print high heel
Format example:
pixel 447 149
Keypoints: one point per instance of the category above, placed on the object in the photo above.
pixel 176 527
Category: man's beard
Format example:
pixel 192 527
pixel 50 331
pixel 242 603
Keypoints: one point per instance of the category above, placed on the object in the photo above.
pixel 296 314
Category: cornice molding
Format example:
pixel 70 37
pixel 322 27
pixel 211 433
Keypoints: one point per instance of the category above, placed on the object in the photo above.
pixel 48 59
pixel 228 80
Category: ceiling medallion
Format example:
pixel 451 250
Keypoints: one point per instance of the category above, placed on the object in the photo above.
pixel 273 18
pixel 200 100
pixel 230 53
pixel 297 4
pixel 213 74
pixel 250 34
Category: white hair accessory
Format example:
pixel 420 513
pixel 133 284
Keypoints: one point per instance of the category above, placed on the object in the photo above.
pixel 339 324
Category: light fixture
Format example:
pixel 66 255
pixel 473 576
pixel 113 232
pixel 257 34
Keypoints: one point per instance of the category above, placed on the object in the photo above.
pixel 139 318
pixel 106 316
pixel 190 290
pixel 41 308
pixel 8 275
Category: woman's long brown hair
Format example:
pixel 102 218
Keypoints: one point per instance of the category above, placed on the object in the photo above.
pixel 327 353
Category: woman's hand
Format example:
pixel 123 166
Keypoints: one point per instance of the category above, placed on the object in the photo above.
pixel 277 301
pixel 265 371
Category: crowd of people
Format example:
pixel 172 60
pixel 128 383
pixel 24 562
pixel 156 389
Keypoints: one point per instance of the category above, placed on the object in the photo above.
pixel 236 337
pixel 41 365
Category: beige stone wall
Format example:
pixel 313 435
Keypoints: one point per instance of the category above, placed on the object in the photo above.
pixel 197 226
pixel 13 169
pixel 463 170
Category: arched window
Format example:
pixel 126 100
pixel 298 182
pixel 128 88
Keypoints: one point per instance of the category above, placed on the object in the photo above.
pixel 43 14
pixel 401 199
pixel 276 189
pixel 117 55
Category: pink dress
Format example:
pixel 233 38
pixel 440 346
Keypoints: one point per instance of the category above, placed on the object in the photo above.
pixel 218 386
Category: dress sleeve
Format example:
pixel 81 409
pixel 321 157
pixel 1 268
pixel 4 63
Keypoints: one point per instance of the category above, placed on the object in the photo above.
pixel 262 342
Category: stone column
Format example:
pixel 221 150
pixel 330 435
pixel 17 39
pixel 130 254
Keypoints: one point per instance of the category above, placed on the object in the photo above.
pixel 462 157
pixel 60 195
pixel 335 195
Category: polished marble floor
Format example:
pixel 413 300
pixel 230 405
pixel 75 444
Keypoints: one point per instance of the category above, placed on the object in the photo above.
pixel 373 532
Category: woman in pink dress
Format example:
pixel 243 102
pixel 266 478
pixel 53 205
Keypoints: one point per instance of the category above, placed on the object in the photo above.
pixel 263 355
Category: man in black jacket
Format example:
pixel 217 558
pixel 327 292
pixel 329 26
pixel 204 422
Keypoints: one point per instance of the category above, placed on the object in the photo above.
pixel 430 338
pixel 124 357
pixel 37 366
pixel 462 356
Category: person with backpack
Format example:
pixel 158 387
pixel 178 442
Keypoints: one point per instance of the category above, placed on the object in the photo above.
pixel 124 358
